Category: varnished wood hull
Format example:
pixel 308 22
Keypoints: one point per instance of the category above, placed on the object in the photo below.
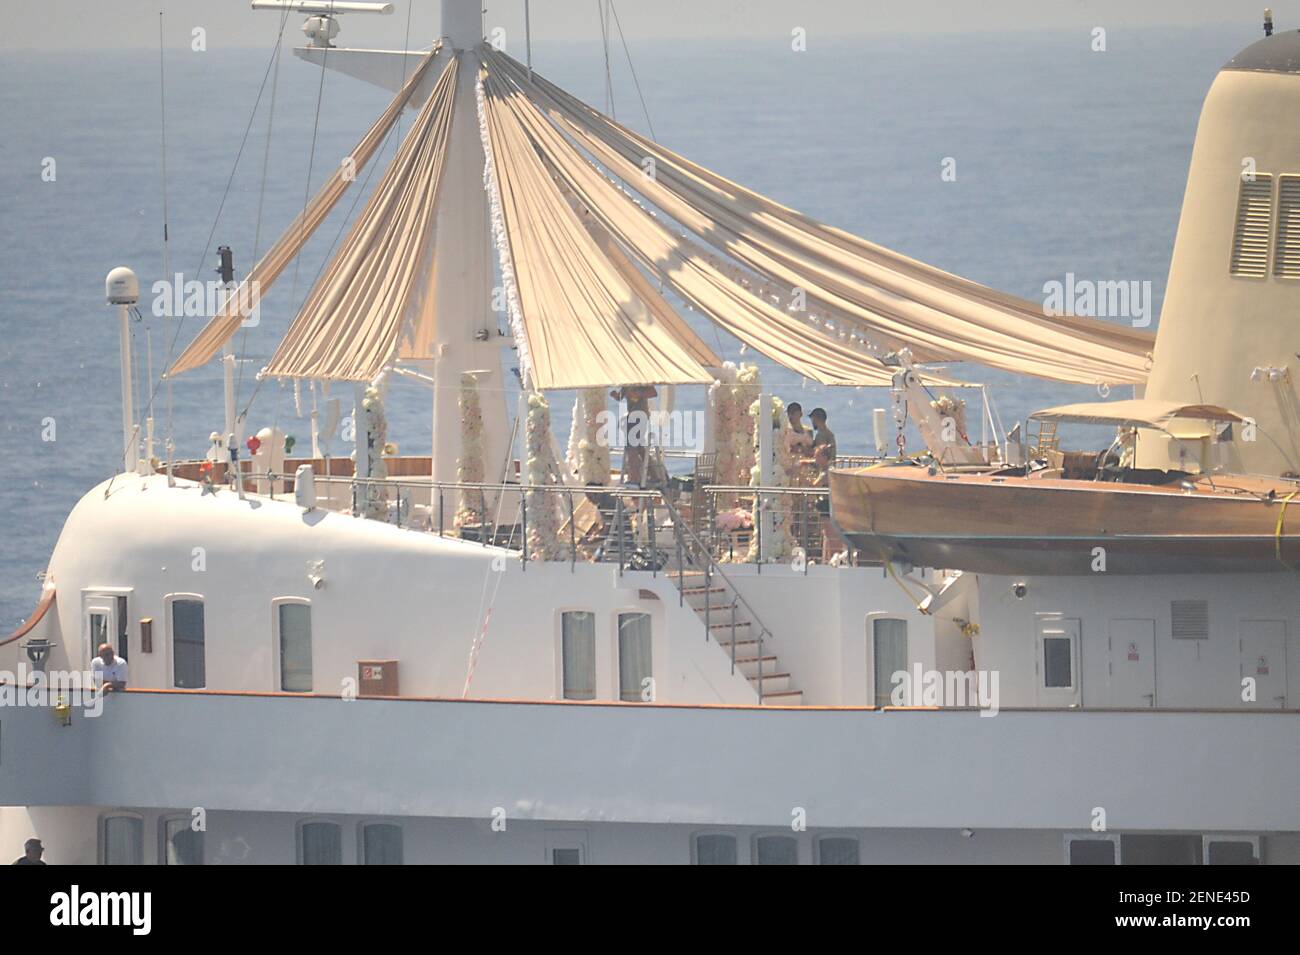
pixel 1018 525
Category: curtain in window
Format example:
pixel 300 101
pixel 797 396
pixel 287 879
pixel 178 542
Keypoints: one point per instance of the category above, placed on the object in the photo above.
pixel 123 840
pixel 633 655
pixel 578 638
pixel 183 845
pixel 776 850
pixel 188 636
pixel 837 850
pixel 715 850
pixel 889 656
pixel 322 844
pixel 381 844
pixel 295 648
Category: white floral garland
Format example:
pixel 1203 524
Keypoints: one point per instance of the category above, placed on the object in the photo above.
pixel 375 422
pixel 543 508
pixel 501 238
pixel 587 455
pixel 469 466
pixel 780 545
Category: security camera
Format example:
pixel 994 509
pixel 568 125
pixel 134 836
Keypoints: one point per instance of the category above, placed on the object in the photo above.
pixel 1019 589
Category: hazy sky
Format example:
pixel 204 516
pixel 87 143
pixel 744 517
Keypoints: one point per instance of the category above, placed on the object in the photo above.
pixel 78 24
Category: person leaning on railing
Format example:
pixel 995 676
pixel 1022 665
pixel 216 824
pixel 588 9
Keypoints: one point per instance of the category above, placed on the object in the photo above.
pixel 107 670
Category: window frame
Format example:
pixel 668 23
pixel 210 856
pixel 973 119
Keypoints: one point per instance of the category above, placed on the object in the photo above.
pixel 277 662
pixel 872 619
pixel 619 614
pixel 102 832
pixel 559 653
pixel 163 843
pixel 365 824
pixel 299 847
pixel 1111 837
pixel 169 602
pixel 757 837
pixel 712 833
pixel 844 836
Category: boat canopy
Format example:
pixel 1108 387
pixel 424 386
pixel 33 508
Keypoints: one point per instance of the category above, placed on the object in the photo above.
pixel 1135 413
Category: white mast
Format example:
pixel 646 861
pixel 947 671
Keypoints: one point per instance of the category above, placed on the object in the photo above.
pixel 122 289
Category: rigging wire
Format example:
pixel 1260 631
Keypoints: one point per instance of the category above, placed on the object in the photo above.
pixel 632 69
pixel 166 241
pixel 180 319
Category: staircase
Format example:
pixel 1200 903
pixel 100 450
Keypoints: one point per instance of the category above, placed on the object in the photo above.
pixel 728 618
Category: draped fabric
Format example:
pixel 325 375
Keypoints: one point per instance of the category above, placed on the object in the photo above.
pixel 531 160
pixel 894 299
pixel 585 320
pixel 226 322
pixel 350 326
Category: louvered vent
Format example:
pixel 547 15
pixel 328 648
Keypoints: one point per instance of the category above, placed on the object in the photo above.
pixel 1286 254
pixel 1254 226
pixel 1191 619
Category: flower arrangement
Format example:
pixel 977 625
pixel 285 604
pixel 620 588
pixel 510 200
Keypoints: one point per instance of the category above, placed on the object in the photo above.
pixel 734 519
pixel 732 429
pixel 950 406
pixel 588 455
pixel 780 546
pixel 469 466
pixel 543 508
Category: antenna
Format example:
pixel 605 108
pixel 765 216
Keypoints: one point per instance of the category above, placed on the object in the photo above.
pixel 321 27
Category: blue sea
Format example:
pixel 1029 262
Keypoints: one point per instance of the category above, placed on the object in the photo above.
pixel 1067 160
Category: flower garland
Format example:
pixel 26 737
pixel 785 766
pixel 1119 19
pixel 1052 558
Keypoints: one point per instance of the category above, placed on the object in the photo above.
pixel 543 508
pixel 724 425
pixel 780 545
pixel 588 456
pixel 469 466
pixel 747 389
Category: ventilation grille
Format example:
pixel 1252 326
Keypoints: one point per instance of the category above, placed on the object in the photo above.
pixel 1286 254
pixel 1254 226
pixel 1191 619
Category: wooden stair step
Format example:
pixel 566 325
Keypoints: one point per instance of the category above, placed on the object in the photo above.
pixel 726 625
pixel 787 698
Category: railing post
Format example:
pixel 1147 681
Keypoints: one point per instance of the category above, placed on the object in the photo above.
pixel 681 567
pixel 523 522
pixel 618 529
pixel 483 519
pixel 733 633
pixel 441 526
pixel 573 537
pixel 758 529
pixel 708 585
pixel 761 631
pixel 654 553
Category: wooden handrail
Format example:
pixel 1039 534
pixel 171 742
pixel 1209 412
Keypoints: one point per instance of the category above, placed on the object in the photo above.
pixel 42 608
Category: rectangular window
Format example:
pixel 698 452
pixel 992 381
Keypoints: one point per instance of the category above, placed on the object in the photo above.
pixel 837 850
pixel 1222 850
pixel 182 845
pixel 1057 663
pixel 189 670
pixel 1254 225
pixel 715 850
pixel 578 639
pixel 320 843
pixel 634 670
pixel 122 840
pixel 381 844
pixel 1091 852
pixel 295 647
pixel 776 850
pixel 888 656
pixel 1143 849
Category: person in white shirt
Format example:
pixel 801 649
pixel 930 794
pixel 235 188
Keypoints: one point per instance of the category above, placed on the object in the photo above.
pixel 108 671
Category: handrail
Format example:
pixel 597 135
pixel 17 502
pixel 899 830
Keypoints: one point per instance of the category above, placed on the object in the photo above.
pixel 680 527
pixel 42 608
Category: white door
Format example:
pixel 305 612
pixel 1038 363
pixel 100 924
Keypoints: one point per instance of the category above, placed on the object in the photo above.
pixel 1263 663
pixel 1057 660
pixel 1132 672
pixel 98 625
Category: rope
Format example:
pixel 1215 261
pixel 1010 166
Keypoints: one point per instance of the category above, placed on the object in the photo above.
pixel 1277 533
pixel 632 70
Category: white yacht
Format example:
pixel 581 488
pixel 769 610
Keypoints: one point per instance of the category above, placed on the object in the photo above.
pixel 508 651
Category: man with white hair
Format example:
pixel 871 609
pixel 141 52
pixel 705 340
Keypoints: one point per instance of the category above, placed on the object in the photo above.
pixel 108 671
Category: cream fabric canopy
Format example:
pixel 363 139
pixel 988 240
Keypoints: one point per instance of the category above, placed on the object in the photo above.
pixel 207 344
pixel 897 300
pixel 349 327
pixel 1135 413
